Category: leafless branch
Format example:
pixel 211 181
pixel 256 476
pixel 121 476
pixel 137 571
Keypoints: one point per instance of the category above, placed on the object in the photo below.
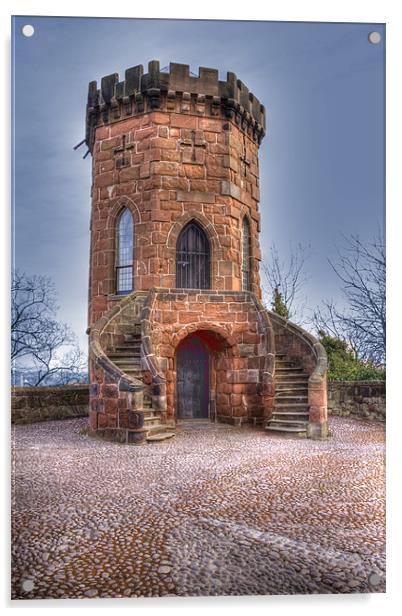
pixel 38 340
pixel 288 276
pixel 361 268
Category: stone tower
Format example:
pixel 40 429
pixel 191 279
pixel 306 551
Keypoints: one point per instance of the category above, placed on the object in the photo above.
pixel 176 326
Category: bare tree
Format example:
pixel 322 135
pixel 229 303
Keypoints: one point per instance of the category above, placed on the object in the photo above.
pixel 33 302
pixel 326 321
pixel 41 345
pixel 287 278
pixel 60 361
pixel 361 268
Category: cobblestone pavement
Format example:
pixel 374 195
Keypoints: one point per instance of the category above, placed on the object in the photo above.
pixel 215 511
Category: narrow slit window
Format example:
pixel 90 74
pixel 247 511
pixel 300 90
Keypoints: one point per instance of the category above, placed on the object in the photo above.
pixel 246 255
pixel 124 252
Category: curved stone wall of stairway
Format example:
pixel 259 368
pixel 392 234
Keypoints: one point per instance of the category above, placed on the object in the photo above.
pixel 116 396
pixel 301 370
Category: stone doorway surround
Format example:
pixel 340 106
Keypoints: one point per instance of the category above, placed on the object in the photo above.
pixel 193 379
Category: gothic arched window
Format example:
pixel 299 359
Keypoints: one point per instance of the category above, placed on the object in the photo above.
pixel 193 258
pixel 245 255
pixel 124 252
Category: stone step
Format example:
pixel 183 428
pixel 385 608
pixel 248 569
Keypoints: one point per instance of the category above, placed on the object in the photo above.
pixel 285 363
pixel 162 436
pixel 131 338
pixel 126 361
pixel 130 364
pixel 126 353
pixel 135 374
pixel 286 429
pixel 291 413
pixel 128 330
pixel 290 405
pixel 292 379
pixel 280 404
pixel 152 421
pixel 299 422
pixel 130 371
pixel 285 387
pixel 157 428
pixel 286 422
pixel 289 369
pixel 289 396
pixel 149 411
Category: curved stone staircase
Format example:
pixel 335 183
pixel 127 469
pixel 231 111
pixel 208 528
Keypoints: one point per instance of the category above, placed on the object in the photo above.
pixel 116 347
pixel 291 410
pixel 127 357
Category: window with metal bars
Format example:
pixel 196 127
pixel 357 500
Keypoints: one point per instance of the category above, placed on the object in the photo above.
pixel 124 252
pixel 193 256
pixel 246 254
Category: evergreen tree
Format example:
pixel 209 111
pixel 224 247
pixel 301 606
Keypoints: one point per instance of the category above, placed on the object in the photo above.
pixel 343 365
pixel 278 305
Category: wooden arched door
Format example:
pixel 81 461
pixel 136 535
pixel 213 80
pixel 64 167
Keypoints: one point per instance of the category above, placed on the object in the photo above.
pixel 192 385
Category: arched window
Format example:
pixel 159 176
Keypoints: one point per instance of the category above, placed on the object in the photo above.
pixel 193 258
pixel 245 256
pixel 124 252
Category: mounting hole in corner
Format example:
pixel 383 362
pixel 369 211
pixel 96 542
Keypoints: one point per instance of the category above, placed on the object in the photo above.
pixel 374 579
pixel 28 30
pixel 374 37
pixel 27 585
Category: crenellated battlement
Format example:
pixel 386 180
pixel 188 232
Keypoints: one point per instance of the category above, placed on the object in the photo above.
pixel 176 91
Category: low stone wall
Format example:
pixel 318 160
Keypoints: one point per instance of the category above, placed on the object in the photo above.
pixel 31 404
pixel 364 399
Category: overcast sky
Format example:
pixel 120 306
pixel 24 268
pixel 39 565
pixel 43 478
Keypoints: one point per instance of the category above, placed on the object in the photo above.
pixel 321 163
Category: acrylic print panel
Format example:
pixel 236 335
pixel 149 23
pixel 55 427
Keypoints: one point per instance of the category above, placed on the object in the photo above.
pixel 198 397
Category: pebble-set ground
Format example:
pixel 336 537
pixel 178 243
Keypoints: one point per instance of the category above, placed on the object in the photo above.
pixel 217 510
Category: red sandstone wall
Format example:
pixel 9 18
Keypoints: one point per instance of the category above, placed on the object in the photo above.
pixel 166 183
pixel 236 339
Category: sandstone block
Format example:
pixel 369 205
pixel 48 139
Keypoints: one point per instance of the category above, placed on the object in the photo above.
pixel 212 126
pixel 163 143
pixel 130 173
pixel 164 168
pixel 180 121
pixel 195 196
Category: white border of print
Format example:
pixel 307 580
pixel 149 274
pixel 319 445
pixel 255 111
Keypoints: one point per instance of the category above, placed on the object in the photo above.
pixel 386 11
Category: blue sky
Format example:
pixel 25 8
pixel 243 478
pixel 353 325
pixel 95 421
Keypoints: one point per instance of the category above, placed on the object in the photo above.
pixel 321 163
